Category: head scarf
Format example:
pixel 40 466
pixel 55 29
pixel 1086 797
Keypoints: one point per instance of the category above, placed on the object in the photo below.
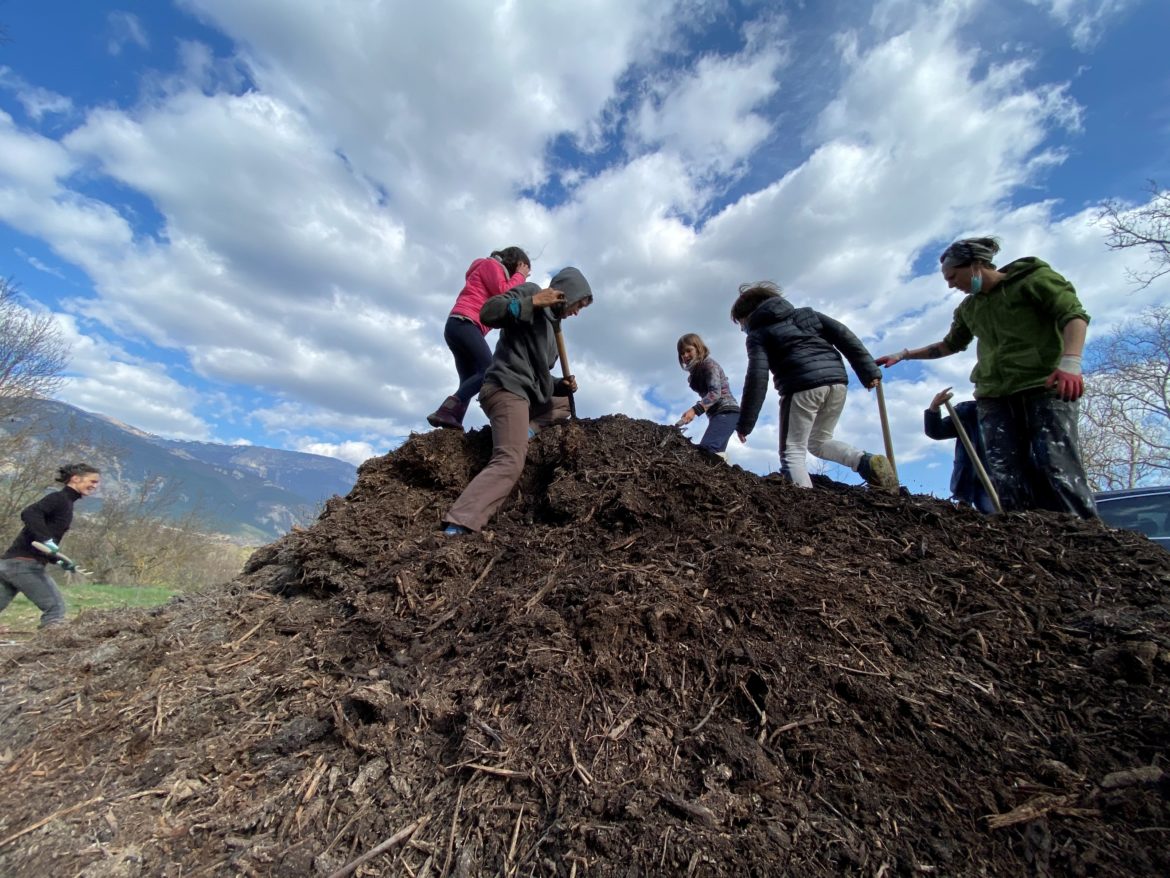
pixel 970 250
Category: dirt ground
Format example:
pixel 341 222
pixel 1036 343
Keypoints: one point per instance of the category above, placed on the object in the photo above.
pixel 652 664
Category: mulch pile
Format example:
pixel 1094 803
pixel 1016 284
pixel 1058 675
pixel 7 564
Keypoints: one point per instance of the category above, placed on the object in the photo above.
pixel 653 664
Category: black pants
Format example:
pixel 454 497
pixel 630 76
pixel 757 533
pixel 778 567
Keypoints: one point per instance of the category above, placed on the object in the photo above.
pixel 1033 456
pixel 472 355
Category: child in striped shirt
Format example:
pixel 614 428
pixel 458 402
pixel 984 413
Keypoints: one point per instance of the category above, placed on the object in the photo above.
pixel 707 378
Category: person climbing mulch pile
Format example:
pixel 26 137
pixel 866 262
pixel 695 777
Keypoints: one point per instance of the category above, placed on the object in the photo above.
pixel 651 663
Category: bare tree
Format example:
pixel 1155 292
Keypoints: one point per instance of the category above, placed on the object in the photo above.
pixel 28 467
pixel 1146 227
pixel 33 354
pixel 137 537
pixel 1125 415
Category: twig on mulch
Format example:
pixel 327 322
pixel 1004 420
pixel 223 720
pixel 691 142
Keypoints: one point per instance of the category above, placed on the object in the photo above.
pixel 404 833
pixel 1041 806
pixel 61 813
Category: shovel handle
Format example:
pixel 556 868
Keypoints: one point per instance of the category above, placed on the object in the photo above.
pixel 889 442
pixel 975 461
pixel 59 556
pixel 563 353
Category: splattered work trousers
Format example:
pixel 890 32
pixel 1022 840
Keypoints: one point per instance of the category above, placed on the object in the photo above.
pixel 1032 452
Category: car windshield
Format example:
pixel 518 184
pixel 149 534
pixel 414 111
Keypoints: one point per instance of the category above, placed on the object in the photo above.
pixel 1148 514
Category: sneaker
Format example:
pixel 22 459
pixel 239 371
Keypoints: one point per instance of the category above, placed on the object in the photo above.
pixel 876 470
pixel 456 530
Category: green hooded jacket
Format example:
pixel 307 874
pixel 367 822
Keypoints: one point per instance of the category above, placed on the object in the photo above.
pixel 1019 324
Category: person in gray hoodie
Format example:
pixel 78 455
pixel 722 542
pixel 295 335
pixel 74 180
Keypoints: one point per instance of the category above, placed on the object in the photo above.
pixel 519 395
pixel 802 348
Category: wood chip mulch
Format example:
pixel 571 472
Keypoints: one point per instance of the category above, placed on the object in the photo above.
pixel 651 664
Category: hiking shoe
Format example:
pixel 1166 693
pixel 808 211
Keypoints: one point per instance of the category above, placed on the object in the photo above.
pixel 876 470
pixel 456 530
pixel 449 414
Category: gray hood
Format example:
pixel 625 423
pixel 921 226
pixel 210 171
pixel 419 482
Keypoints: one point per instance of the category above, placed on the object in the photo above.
pixel 572 283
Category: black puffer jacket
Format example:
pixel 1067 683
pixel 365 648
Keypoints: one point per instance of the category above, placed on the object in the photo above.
pixel 800 346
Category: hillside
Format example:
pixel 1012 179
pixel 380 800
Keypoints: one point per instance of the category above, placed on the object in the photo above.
pixel 654 664
pixel 251 493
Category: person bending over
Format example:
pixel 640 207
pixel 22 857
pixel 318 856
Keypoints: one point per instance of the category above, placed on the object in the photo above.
pixel 802 348
pixel 520 395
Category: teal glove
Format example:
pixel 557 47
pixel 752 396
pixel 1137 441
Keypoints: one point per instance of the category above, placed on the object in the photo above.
pixel 67 566
pixel 52 546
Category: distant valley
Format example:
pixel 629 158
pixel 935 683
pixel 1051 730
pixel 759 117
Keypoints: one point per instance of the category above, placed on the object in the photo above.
pixel 249 493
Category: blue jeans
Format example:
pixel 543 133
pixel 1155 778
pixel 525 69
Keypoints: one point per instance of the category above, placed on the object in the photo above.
pixel 1032 455
pixel 472 355
pixel 32 580
pixel 719 430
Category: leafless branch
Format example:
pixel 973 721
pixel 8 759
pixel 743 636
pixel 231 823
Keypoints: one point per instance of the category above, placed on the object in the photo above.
pixel 1145 226
pixel 33 353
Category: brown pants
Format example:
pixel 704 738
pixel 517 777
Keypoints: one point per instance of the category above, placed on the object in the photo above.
pixel 511 420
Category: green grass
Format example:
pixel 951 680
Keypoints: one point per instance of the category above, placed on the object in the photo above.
pixel 23 616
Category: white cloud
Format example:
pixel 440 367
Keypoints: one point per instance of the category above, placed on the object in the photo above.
pixel 125 28
pixel 1085 19
pixel 356 453
pixel 708 116
pixel 38 264
pixel 320 193
pixel 103 378
pixel 37 102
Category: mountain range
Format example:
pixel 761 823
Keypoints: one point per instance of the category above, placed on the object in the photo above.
pixel 249 493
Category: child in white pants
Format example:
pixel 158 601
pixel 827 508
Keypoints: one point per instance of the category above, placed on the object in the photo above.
pixel 802 349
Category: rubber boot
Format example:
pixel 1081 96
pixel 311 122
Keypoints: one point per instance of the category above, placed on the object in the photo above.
pixel 877 472
pixel 449 414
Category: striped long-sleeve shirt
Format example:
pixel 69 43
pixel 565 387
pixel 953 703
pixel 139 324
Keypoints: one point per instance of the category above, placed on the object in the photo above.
pixel 708 379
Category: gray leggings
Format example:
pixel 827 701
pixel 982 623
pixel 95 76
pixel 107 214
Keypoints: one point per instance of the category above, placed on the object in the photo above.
pixel 33 580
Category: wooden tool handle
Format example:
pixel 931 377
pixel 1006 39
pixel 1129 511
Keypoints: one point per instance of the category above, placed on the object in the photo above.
pixel 889 442
pixel 975 461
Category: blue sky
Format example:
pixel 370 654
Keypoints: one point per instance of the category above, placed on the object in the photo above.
pixel 250 217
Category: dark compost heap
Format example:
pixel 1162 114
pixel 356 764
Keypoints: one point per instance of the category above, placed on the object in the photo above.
pixel 652 664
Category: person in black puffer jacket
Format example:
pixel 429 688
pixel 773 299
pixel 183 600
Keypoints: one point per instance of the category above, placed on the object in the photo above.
pixel 802 348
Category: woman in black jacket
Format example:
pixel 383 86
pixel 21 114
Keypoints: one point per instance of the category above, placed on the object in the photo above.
pixel 46 521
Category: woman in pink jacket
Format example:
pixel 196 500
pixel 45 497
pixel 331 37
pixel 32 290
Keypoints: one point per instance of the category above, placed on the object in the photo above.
pixel 464 333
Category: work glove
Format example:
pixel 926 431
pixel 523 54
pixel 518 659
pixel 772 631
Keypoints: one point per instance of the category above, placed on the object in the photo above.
pixel 67 566
pixel 51 546
pixel 1067 379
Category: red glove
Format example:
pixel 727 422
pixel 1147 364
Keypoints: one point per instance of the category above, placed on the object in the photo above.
pixel 1069 386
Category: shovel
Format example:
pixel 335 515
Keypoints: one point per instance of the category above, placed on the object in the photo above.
pixel 62 560
pixel 676 429
pixel 975 461
pixel 565 373
pixel 881 398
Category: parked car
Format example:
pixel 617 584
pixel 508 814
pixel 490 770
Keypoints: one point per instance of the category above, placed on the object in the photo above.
pixel 1145 510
